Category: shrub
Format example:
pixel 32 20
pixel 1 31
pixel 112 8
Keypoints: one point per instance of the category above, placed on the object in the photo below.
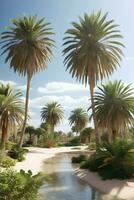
pixel 84 164
pixel 19 185
pixel 75 141
pixel 8 162
pixel 9 145
pixel 17 153
pixel 92 146
pixel 114 160
pixel 79 159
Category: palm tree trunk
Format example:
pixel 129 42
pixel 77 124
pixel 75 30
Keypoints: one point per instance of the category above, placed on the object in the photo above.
pixel 113 135
pixel 4 136
pixel 94 116
pixel 26 112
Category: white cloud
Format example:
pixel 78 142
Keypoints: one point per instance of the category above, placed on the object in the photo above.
pixel 61 87
pixel 21 87
pixel 12 83
pixel 67 102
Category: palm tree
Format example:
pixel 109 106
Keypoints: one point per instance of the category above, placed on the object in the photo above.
pixel 28 49
pixel 52 114
pixel 86 134
pixel 114 106
pixel 92 52
pixel 78 119
pixel 31 131
pixel 11 111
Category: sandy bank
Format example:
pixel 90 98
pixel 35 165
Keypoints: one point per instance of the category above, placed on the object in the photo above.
pixel 36 156
pixel 123 189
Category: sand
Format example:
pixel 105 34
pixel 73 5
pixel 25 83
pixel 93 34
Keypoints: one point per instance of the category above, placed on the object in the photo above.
pixel 35 158
pixel 123 189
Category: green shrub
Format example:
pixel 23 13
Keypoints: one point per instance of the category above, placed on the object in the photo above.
pixel 84 164
pixel 9 145
pixel 79 159
pixel 92 146
pixel 17 153
pixel 19 185
pixel 8 162
pixel 114 160
pixel 75 141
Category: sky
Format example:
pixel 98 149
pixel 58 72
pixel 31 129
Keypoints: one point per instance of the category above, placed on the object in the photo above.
pixel 55 84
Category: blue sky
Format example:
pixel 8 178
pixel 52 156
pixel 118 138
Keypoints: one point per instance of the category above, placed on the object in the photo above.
pixel 55 83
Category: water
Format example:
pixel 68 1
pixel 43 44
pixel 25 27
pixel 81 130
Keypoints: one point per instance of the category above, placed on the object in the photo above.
pixel 65 185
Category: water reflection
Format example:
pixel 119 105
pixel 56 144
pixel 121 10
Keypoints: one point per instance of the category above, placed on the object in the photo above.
pixel 65 185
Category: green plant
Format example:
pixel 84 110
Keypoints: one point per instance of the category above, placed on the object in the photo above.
pixel 19 185
pixel 17 153
pixel 79 159
pixel 8 162
pixel 9 145
pixel 115 160
pixel 92 146
pixel 75 141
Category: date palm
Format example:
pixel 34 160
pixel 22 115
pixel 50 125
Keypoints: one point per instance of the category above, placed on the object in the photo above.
pixel 92 52
pixel 114 106
pixel 86 134
pixel 11 111
pixel 28 48
pixel 52 114
pixel 78 119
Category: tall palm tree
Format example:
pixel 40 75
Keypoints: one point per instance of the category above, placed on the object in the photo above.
pixel 114 106
pixel 92 52
pixel 11 111
pixel 28 49
pixel 52 114
pixel 78 119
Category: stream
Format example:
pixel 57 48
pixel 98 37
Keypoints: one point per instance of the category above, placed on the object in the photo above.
pixel 65 185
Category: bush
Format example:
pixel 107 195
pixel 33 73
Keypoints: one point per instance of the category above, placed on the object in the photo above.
pixel 75 141
pixel 19 185
pixel 9 145
pixel 114 160
pixel 79 159
pixel 84 164
pixel 8 162
pixel 92 146
pixel 17 153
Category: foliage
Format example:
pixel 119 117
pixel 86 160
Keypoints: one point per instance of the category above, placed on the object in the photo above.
pixel 92 146
pixel 19 185
pixel 114 160
pixel 8 162
pixel 79 159
pixel 11 110
pixel 78 119
pixel 28 48
pixel 92 52
pixel 17 153
pixel 75 141
pixel 114 106
pixel 85 134
pixel 52 114
pixel 9 145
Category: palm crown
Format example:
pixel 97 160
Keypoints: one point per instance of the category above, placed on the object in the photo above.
pixel 28 45
pixel 114 105
pixel 52 113
pixel 91 48
pixel 79 119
